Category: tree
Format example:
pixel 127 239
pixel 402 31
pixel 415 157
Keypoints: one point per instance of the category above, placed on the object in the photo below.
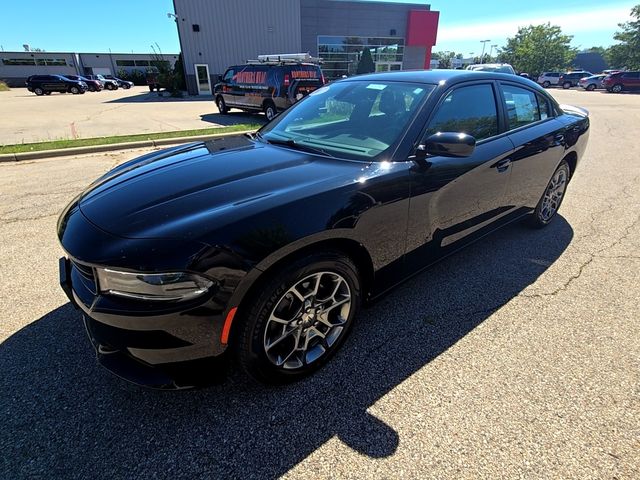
pixel 444 58
pixel 365 65
pixel 627 52
pixel 538 48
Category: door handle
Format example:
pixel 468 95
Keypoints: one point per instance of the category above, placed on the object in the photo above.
pixel 503 165
pixel 559 138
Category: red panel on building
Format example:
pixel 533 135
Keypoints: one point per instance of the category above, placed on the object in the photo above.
pixel 422 31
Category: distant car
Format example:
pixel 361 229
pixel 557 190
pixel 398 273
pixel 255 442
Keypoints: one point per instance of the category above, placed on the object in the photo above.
pixel 268 87
pixel 571 79
pixel 108 84
pixel 493 67
pixel 93 85
pixel 264 246
pixel 126 84
pixel 153 79
pixel 547 79
pixel 620 81
pixel 45 84
pixel 591 83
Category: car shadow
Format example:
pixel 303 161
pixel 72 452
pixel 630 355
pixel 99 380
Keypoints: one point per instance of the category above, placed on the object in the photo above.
pixel 146 97
pixel 62 415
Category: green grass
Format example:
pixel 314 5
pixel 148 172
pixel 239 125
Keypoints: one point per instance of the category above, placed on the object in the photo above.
pixel 4 87
pixel 84 142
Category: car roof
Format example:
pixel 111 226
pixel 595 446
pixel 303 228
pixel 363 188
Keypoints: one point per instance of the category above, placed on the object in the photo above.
pixel 439 76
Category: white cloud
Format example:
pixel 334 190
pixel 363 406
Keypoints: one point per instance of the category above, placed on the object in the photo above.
pixel 601 19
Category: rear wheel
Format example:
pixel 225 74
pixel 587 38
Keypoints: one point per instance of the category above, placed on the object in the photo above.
pixel 546 84
pixel 299 319
pixel 38 91
pixel 617 88
pixel 108 86
pixel 552 198
pixel 222 106
pixel 566 85
pixel 270 110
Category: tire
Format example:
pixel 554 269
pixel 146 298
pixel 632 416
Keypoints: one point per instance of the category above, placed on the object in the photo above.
pixel 281 338
pixel 222 106
pixel 591 87
pixel 75 90
pixel 126 87
pixel 151 88
pixel 552 197
pixel 92 89
pixel 38 91
pixel 617 88
pixel 269 110
pixel 546 84
pixel 108 86
pixel 566 85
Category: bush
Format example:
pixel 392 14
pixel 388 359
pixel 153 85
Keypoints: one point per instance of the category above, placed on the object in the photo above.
pixel 4 87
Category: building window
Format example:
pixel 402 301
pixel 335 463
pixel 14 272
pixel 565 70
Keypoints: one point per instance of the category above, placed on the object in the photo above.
pixel 142 63
pixel 341 55
pixel 125 63
pixel 57 62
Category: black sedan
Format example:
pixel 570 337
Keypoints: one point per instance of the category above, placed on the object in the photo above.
pixel 265 247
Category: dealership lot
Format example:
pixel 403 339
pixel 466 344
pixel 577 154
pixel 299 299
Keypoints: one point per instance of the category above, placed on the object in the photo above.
pixel 518 357
pixel 26 118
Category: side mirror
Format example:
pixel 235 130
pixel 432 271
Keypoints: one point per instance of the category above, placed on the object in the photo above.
pixel 447 144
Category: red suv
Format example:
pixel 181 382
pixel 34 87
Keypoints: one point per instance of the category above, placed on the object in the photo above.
pixel 617 82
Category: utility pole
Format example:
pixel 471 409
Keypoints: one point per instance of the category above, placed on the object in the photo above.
pixel 491 51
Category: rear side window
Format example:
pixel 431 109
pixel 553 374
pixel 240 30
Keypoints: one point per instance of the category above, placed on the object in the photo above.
pixel 521 105
pixel 544 107
pixel 630 75
pixel 471 110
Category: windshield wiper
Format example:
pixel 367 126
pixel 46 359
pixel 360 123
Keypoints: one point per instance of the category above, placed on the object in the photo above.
pixel 296 145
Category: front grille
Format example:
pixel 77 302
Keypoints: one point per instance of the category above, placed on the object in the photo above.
pixel 85 274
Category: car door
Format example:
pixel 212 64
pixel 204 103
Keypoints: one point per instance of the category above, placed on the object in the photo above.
pixel 227 87
pixel 538 140
pixel 454 198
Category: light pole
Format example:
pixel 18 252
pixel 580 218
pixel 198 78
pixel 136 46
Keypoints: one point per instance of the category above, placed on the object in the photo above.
pixel 484 44
pixel 491 51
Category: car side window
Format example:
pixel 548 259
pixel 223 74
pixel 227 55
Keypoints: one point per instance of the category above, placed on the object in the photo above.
pixel 521 106
pixel 544 107
pixel 471 110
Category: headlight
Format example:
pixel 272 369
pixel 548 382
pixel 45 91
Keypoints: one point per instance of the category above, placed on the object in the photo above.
pixel 153 286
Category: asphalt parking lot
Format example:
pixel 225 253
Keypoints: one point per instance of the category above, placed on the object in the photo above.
pixel 26 118
pixel 516 358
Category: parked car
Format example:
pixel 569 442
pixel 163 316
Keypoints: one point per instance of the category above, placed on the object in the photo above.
pixel 591 83
pixel 548 79
pixel 93 85
pixel 492 67
pixel 620 81
pixel 152 77
pixel 126 84
pixel 108 84
pixel 45 84
pixel 571 79
pixel 267 86
pixel 266 245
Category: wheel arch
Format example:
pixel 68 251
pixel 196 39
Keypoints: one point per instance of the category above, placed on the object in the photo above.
pixel 572 160
pixel 255 279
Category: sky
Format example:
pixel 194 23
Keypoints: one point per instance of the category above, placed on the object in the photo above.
pixel 135 25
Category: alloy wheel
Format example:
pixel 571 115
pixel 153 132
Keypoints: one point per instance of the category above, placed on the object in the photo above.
pixel 307 320
pixel 553 195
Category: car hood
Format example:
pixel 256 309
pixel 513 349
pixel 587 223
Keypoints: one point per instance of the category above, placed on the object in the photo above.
pixel 173 193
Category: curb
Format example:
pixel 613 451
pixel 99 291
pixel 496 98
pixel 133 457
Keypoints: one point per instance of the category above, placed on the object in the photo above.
pixel 62 152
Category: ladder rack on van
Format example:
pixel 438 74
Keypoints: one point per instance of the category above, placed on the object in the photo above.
pixel 285 59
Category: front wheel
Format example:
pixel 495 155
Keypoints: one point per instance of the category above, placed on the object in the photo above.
pixel 299 318
pixel 566 85
pixel 591 87
pixel 546 84
pixel 552 198
pixel 74 90
pixel 617 88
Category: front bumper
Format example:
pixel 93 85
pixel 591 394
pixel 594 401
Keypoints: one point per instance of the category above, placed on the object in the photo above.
pixel 160 346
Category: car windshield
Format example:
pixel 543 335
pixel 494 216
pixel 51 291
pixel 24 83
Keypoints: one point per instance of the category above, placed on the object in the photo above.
pixel 359 120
